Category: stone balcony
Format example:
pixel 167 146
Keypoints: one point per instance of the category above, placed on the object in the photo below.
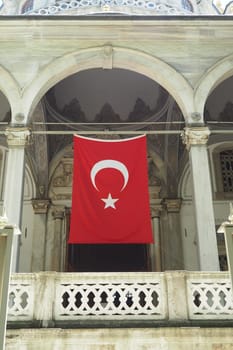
pixel 74 300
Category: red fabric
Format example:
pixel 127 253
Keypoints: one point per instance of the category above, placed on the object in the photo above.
pixel 110 200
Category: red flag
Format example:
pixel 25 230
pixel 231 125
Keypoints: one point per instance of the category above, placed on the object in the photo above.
pixel 110 199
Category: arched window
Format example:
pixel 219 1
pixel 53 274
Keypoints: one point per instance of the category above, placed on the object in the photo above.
pixel 27 6
pixel 187 5
pixel 226 163
pixel 222 157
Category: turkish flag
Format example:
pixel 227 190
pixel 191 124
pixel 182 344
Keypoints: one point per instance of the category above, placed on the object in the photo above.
pixel 110 199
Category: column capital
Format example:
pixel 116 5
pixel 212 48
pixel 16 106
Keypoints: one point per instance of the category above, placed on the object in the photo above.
pixel 40 206
pixel 58 213
pixel 156 210
pixel 154 192
pixel 195 136
pixel 173 205
pixel 18 136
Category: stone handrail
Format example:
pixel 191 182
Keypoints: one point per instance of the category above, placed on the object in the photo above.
pixel 168 296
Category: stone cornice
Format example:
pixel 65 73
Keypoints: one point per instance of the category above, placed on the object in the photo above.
pixel 174 27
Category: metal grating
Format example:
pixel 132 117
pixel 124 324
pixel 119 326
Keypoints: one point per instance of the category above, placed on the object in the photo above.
pixel 226 159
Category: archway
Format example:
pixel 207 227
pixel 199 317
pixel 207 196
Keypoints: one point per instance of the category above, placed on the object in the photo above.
pixel 210 81
pixel 110 57
pixel 218 108
pixel 118 100
pixel 218 115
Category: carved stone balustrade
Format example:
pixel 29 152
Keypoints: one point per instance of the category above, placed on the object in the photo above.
pixel 50 298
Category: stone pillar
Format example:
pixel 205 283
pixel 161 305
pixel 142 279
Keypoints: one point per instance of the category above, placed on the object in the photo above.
pixel 17 139
pixel 155 208
pixel 196 139
pixel 65 236
pixel 156 247
pixel 40 207
pixel 171 235
pixel 56 253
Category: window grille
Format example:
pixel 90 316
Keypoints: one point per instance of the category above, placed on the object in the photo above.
pixel 27 6
pixel 187 5
pixel 226 160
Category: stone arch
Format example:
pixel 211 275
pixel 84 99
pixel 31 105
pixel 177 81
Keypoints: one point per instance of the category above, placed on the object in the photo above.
pixel 10 89
pixel 108 57
pixel 209 81
pixel 3 161
pixel 215 151
pixel 29 184
pixel 57 158
pixel 185 184
pixel 38 156
pixel 60 176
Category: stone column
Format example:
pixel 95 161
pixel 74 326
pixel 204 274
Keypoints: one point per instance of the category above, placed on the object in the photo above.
pixel 65 237
pixel 40 207
pixel 155 208
pixel 156 247
pixel 56 256
pixel 196 139
pixel 171 235
pixel 17 139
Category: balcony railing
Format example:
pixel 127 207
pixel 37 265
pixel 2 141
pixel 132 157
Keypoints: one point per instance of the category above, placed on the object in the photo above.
pixel 169 296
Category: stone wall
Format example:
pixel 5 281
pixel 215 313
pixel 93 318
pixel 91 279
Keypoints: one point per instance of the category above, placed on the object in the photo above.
pixel 118 339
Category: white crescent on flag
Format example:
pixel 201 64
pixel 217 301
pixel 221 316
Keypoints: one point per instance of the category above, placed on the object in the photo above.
pixel 112 164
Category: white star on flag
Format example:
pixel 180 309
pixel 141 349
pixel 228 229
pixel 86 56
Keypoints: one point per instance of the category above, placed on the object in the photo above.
pixel 109 202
